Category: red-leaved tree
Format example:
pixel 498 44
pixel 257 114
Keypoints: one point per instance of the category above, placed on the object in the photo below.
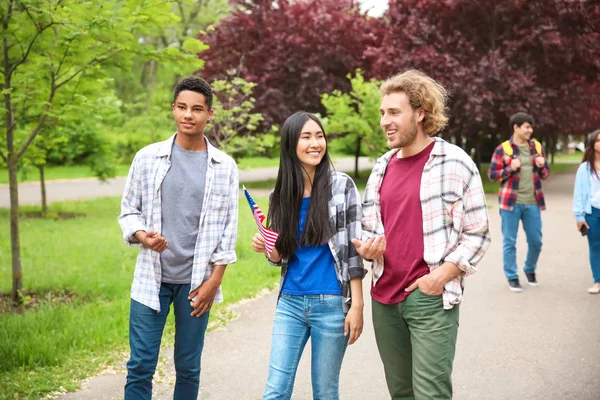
pixel 293 50
pixel 499 57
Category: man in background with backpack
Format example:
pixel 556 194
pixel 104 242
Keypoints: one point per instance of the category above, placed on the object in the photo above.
pixel 519 164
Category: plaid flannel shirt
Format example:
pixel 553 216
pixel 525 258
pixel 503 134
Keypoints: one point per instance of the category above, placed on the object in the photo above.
pixel 455 218
pixel 344 221
pixel 500 171
pixel 141 210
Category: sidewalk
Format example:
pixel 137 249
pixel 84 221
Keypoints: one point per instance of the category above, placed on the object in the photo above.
pixel 543 343
pixel 89 188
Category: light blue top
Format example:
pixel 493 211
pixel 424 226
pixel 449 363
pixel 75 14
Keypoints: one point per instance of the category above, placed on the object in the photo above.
pixel 595 191
pixel 582 199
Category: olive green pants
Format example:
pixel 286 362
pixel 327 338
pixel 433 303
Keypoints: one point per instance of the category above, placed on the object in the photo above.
pixel 416 340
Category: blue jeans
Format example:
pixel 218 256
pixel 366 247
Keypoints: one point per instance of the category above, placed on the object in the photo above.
pixel 532 224
pixel 296 319
pixel 593 220
pixel 145 332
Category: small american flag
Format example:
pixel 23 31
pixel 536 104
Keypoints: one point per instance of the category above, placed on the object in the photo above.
pixel 269 235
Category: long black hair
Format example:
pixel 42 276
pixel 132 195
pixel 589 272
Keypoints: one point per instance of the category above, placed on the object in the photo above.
pixel 590 154
pixel 284 209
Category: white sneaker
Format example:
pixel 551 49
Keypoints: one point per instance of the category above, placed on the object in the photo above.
pixel 594 289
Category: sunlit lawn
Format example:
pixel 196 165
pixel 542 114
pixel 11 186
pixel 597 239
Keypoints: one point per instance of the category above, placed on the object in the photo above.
pixel 59 172
pixel 54 345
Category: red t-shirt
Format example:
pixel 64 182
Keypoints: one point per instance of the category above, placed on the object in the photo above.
pixel 403 224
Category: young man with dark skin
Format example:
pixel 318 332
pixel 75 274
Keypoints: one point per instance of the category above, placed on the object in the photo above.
pixel 180 206
pixel 425 226
pixel 520 165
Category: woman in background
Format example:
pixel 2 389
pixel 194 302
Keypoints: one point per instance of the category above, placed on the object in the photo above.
pixel 586 203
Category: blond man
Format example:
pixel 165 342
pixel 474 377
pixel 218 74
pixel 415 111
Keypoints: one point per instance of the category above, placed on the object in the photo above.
pixel 425 199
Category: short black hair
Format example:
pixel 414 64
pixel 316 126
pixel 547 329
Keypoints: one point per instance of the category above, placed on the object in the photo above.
pixel 519 119
pixel 195 84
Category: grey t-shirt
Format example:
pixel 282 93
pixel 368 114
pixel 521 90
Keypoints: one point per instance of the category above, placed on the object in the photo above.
pixel 182 195
pixel 526 191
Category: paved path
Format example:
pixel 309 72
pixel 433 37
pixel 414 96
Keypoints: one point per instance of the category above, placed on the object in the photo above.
pixel 88 188
pixel 543 343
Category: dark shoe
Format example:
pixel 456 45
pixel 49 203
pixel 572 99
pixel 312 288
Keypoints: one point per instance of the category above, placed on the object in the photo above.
pixel 514 285
pixel 531 280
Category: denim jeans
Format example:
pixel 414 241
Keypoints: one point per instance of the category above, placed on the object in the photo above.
pixel 532 224
pixel 593 236
pixel 297 318
pixel 145 332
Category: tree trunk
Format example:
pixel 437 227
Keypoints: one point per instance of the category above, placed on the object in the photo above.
pixel 552 143
pixel 356 156
pixel 565 148
pixel 12 161
pixel 478 150
pixel 43 188
pixel 17 273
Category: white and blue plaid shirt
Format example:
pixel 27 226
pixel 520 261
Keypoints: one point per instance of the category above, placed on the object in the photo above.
pixel 141 211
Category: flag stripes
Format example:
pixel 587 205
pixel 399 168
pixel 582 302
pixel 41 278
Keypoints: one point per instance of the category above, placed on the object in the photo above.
pixel 269 235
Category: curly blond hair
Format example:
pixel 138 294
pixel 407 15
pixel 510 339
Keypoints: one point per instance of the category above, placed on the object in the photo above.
pixel 423 92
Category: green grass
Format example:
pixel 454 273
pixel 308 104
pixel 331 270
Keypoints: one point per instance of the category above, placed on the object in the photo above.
pixel 572 157
pixel 55 345
pixel 59 172
pixel 266 184
pixel 257 162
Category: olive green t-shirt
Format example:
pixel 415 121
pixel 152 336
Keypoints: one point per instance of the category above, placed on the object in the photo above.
pixel 526 191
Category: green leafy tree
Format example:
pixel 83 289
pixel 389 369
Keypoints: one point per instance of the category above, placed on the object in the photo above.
pixel 77 137
pixel 233 126
pixel 145 85
pixel 175 31
pixel 147 119
pixel 37 156
pixel 55 46
pixel 353 118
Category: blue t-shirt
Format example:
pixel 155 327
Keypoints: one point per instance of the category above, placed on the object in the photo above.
pixel 311 270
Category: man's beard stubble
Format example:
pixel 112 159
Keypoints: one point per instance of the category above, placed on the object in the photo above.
pixel 405 137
